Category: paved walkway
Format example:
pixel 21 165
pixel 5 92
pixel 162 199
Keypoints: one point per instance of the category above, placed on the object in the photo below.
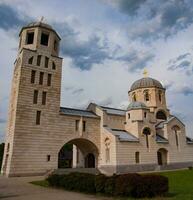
pixel 21 189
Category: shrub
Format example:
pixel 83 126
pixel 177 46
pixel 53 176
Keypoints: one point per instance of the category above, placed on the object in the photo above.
pixel 54 180
pixel 78 181
pixel 110 185
pixel 133 185
pixel 126 183
pixel 151 186
pixel 100 181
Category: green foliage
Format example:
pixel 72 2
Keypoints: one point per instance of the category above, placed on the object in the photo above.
pixel 100 183
pixel 74 181
pixel 110 185
pixel 125 184
pixel 1 153
pixel 133 185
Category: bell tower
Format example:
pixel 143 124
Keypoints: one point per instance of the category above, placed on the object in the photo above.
pixel 35 97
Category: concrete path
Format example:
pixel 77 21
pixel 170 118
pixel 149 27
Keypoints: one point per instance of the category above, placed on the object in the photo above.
pixel 21 189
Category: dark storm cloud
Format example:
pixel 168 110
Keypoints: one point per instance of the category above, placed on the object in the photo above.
pixel 156 18
pixel 183 65
pixel 130 6
pixel 83 53
pixel 9 18
pixel 136 60
pixel 182 56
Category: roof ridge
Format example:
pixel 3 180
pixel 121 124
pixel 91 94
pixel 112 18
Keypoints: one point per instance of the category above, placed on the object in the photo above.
pixel 76 109
pixel 112 108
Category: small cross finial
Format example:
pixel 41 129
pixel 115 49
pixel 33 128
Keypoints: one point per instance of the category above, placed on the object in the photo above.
pixel 145 73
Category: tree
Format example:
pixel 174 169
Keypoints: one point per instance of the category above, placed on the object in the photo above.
pixel 1 152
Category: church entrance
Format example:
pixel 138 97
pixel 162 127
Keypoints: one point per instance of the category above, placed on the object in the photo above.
pixel 162 156
pixel 90 161
pixel 78 153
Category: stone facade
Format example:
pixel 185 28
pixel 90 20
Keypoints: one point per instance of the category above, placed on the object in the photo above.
pixel 143 137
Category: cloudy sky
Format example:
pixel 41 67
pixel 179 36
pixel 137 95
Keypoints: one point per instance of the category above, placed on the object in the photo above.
pixel 106 45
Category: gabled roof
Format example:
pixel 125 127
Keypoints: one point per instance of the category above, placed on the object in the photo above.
pixel 160 139
pixel 77 112
pixel 109 110
pixel 161 124
pixel 123 135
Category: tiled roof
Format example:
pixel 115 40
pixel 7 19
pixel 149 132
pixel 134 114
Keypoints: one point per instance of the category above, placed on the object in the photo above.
pixel 161 139
pixel 113 111
pixel 123 135
pixel 145 83
pixel 77 112
pixel 136 105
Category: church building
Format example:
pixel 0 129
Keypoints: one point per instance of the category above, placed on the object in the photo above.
pixel 144 137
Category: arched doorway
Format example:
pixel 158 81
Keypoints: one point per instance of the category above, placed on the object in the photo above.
pixel 162 156
pixel 78 153
pixel 90 161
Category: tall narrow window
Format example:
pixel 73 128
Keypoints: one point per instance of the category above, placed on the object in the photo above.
pixel 38 117
pixel 30 38
pixel 176 135
pixel 77 125
pixel 137 157
pixel 84 126
pixel 35 99
pixel 129 115
pixel 46 62
pixel 55 45
pixel 48 158
pixel 53 65
pixel 39 60
pixel 49 80
pixel 44 94
pixel 33 76
pixel 147 132
pixel 44 39
pixel 41 80
pixel 146 96
pixel 160 96
pixel 30 61
pixel 145 115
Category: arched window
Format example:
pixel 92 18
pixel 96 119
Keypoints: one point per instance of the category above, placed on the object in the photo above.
pixel 161 115
pixel 134 97
pixel 176 129
pixel 129 115
pixel 107 150
pixel 146 95
pixel 137 159
pixel 147 132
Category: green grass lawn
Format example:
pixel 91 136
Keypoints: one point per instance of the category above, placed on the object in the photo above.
pixel 180 185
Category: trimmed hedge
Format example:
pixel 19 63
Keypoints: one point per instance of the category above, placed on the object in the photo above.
pixel 133 185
